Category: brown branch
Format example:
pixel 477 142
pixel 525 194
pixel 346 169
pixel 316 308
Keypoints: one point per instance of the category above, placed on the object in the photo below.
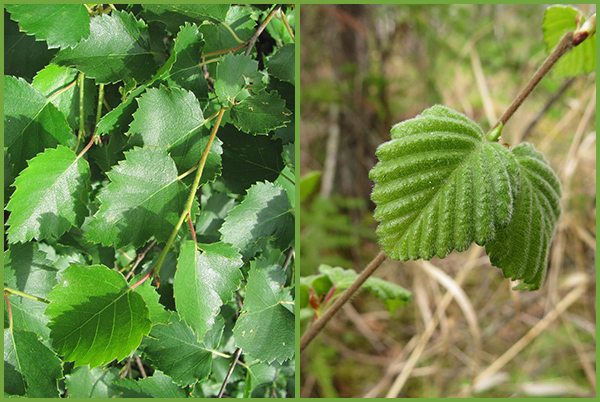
pixel 318 326
pixel 236 357
pixel 261 28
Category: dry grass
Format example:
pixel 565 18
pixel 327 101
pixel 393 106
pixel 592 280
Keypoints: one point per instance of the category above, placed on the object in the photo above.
pixel 466 332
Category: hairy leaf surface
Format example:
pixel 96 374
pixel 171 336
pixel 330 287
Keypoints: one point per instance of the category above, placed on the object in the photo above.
pixel 61 25
pixel 144 199
pixel 440 186
pixel 205 279
pixel 117 49
pixel 50 196
pixel 94 316
pixel 521 249
pixel 265 329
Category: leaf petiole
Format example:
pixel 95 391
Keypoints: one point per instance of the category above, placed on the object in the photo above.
pixel 190 201
pixel 19 293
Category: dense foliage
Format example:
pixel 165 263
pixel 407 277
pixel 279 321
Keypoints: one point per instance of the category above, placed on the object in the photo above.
pixel 149 197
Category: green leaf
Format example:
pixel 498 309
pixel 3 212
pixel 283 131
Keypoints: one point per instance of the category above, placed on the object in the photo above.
pixel 98 382
pixel 94 316
pixel 282 64
pixel 218 36
pixel 204 282
pixel 287 91
pixel 172 119
pixel 265 212
pixel 440 186
pixel 235 75
pixel 61 25
pixel 175 350
pixel 117 49
pixel 175 15
pixel 277 29
pixel 581 59
pixel 143 199
pixel 521 249
pixel 50 196
pixel 260 113
pixel 158 314
pixel 309 184
pixel 30 368
pixel 27 269
pixel 214 209
pixel 23 55
pixel 265 329
pixel 31 123
pixel 157 386
pixel 187 72
pixel 248 159
pixel 392 295
pixel 53 83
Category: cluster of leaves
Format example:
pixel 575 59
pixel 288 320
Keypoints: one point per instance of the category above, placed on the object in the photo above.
pixel 88 229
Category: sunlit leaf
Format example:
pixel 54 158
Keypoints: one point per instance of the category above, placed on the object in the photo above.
pixel 94 316
pixel 144 199
pixel 61 25
pixel 50 196
pixel 117 49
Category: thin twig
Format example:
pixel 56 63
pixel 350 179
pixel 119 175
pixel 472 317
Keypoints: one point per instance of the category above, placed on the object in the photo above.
pixel 193 190
pixel 139 258
pixel 564 45
pixel 236 357
pixel 140 366
pixel 192 228
pixel 288 258
pixel 318 325
pixel 287 25
pixel 261 28
pixel 19 293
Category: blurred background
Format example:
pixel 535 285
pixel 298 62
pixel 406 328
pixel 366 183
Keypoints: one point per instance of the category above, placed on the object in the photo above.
pixel 367 67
